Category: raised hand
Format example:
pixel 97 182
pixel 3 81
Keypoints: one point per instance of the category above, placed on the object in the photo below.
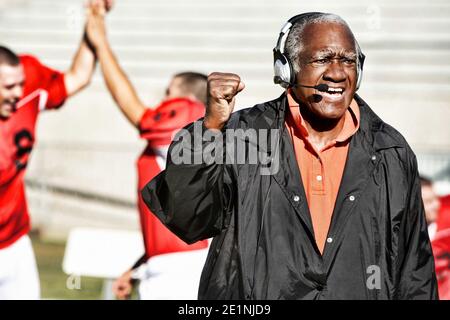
pixel 222 91
pixel 95 25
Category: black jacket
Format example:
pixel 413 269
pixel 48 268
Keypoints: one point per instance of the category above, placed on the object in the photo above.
pixel 264 245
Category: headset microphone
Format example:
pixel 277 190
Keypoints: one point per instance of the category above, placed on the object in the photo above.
pixel 321 87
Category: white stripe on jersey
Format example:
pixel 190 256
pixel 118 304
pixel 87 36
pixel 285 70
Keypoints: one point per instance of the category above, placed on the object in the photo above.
pixel 43 97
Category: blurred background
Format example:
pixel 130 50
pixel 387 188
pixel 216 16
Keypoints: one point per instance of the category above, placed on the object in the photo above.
pixel 82 172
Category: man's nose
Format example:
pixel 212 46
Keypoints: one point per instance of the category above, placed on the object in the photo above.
pixel 335 72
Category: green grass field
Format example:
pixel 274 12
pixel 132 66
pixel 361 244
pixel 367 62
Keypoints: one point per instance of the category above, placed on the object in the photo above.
pixel 49 256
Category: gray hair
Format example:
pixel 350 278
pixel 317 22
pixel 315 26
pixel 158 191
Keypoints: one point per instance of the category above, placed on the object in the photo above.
pixel 294 41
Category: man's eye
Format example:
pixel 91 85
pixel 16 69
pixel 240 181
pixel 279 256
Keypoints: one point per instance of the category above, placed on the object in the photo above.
pixel 349 61
pixel 321 61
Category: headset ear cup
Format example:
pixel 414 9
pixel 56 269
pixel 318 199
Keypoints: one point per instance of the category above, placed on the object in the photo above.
pixel 282 70
pixel 361 59
pixel 358 83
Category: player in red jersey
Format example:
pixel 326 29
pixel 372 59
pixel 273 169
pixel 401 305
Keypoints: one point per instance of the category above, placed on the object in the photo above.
pixel 441 248
pixel 170 269
pixel 27 87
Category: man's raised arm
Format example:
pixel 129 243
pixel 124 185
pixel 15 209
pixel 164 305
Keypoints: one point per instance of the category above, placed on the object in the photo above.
pixel 80 72
pixel 116 80
pixel 193 198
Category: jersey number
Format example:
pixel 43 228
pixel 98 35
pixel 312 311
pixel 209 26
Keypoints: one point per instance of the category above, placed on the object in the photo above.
pixel 23 141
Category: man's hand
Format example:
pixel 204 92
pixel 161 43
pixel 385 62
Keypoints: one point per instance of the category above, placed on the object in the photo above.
pixel 222 91
pixel 104 5
pixel 95 25
pixel 123 286
pixel 80 73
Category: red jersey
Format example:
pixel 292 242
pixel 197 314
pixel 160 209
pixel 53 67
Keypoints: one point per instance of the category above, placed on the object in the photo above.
pixel 44 89
pixel 158 127
pixel 441 249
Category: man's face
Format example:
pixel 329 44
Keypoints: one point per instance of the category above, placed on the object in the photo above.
pixel 328 57
pixel 12 80
pixel 431 204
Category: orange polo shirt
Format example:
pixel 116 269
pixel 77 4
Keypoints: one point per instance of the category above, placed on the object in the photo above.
pixel 321 170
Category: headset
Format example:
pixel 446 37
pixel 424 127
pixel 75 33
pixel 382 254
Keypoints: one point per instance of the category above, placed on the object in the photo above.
pixel 284 74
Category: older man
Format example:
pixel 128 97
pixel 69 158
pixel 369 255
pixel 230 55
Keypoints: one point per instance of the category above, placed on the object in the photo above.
pixel 340 215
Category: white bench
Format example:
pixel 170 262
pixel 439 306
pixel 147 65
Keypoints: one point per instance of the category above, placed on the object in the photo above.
pixel 100 253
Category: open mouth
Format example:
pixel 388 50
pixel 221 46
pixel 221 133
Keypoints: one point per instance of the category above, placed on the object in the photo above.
pixel 334 93
pixel 332 90
pixel 8 106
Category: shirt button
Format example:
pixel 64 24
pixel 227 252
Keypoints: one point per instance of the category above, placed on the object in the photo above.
pixel 296 198
pixel 330 240
pixel 351 198
pixel 319 178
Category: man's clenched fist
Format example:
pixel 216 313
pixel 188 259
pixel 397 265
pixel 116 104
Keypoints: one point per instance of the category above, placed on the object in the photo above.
pixel 222 91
